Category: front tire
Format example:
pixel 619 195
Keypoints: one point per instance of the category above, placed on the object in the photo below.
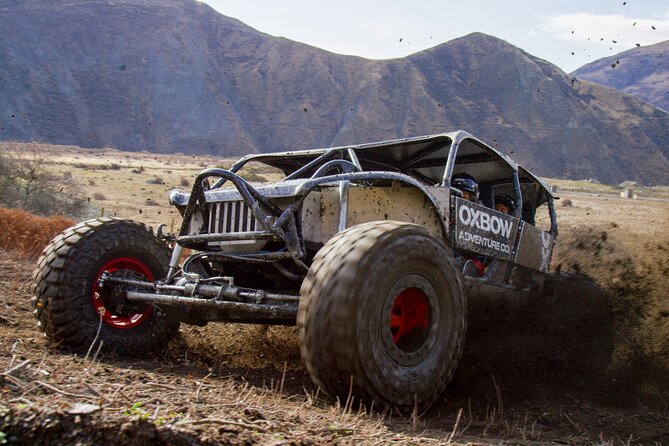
pixel 382 315
pixel 69 304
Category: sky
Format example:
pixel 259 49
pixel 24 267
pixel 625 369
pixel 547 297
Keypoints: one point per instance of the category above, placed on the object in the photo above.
pixel 567 33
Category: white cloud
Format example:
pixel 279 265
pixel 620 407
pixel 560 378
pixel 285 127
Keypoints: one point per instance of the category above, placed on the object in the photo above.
pixel 605 29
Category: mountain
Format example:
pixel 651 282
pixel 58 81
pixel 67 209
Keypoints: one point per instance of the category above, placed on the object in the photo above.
pixel 174 75
pixel 642 72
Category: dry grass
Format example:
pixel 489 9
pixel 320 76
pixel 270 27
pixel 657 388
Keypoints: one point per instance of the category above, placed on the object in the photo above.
pixel 109 173
pixel 25 234
pixel 593 187
pixel 211 409
pixel 135 184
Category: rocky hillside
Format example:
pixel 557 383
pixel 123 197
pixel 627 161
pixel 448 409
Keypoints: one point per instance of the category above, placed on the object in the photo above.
pixel 643 72
pixel 174 75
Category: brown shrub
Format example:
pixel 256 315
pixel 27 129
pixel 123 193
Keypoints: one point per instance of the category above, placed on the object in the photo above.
pixel 155 180
pixel 26 234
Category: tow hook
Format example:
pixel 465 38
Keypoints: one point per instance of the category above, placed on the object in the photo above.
pixel 161 235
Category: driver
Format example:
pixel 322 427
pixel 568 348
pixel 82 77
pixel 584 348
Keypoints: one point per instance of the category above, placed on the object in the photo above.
pixel 472 265
pixel 468 185
pixel 505 204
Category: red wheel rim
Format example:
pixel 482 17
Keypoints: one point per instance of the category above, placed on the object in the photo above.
pixel 109 318
pixel 410 319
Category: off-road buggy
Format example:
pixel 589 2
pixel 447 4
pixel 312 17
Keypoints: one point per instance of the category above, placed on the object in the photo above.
pixel 362 247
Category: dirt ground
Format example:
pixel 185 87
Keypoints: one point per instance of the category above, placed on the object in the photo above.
pixel 584 362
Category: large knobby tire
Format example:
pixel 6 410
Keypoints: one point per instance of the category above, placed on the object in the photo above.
pixel 71 307
pixel 383 315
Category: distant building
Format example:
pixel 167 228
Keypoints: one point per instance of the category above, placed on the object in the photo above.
pixel 627 193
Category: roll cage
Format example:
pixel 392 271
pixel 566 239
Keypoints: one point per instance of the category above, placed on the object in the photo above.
pixel 426 163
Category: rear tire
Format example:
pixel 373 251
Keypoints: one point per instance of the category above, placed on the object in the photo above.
pixel 69 304
pixel 383 315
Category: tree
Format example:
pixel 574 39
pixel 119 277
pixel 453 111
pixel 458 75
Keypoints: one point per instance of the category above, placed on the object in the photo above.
pixel 26 183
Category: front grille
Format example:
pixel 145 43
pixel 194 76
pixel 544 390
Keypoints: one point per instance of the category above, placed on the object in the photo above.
pixel 231 217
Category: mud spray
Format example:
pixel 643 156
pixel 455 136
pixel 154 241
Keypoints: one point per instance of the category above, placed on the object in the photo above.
pixel 599 330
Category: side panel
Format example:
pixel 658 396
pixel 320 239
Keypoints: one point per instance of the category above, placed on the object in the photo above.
pixel 483 230
pixel 321 209
pixel 535 248
pixel 317 219
pixel 442 198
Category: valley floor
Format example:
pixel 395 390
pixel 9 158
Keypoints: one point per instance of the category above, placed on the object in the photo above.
pixel 584 362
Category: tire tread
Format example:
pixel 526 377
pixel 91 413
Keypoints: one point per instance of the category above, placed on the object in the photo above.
pixel 58 299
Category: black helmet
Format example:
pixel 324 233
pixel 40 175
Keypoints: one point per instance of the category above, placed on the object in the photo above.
pixel 466 183
pixel 507 201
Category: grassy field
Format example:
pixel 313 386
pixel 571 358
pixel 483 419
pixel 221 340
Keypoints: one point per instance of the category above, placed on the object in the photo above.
pixel 642 192
pixel 131 185
pixel 135 184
